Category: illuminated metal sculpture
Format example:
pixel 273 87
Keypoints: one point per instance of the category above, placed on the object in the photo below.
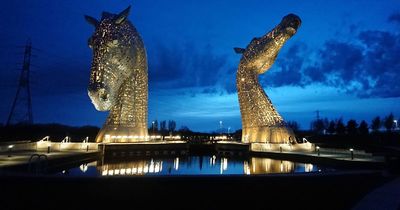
pixel 260 120
pixel 119 78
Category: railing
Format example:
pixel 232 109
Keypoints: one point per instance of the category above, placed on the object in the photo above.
pixel 27 146
pixel 343 151
pixel 58 146
pixel 269 147
pixel 45 145
pixel 305 147
pixel 40 165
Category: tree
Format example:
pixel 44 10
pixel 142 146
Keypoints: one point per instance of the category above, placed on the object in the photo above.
pixel 389 122
pixel 331 127
pixel 156 125
pixel 363 128
pixel 163 126
pixel 326 122
pixel 238 135
pixel 352 127
pixel 184 128
pixel 171 125
pixel 184 131
pixel 376 124
pixel 340 128
pixel 293 125
pixel 319 125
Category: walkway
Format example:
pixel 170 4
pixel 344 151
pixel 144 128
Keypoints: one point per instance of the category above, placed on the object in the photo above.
pixel 309 151
pixel 336 156
pixel 385 197
pixel 22 158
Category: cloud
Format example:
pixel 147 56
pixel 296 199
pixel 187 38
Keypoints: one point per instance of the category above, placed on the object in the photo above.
pixel 366 66
pixel 395 17
pixel 228 82
pixel 338 64
pixel 288 68
pixel 186 66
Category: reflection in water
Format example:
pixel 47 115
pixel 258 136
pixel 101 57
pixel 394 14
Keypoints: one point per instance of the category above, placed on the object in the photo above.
pixel 138 167
pixel 190 165
pixel 308 167
pixel 212 160
pixel 176 163
pixel 83 167
pixel 224 165
pixel 266 166
pixel 201 162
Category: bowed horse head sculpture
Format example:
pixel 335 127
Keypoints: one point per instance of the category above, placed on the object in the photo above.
pixel 260 120
pixel 119 79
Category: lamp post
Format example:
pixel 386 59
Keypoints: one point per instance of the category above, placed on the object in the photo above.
pixel 9 150
pixel 220 127
pixel 395 124
pixel 318 150
pixel 352 153
pixel 152 127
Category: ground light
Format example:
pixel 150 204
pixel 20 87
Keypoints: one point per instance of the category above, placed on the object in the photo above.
pixel 352 153
pixel 9 150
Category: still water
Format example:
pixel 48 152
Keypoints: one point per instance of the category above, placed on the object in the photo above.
pixel 190 165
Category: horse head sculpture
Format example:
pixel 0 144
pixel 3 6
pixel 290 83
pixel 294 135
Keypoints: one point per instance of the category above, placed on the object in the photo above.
pixel 119 78
pixel 260 120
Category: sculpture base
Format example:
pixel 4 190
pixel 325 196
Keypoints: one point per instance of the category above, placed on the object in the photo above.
pixel 121 134
pixel 268 134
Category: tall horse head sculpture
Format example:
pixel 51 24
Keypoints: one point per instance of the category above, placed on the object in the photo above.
pixel 260 120
pixel 119 79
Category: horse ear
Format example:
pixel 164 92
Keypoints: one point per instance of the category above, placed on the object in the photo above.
pixel 121 17
pixel 239 50
pixel 92 21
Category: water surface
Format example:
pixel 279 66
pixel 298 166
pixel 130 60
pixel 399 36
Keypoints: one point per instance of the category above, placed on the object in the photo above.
pixel 191 165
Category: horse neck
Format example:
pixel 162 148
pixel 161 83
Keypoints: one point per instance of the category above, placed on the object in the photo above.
pixel 255 106
pixel 131 105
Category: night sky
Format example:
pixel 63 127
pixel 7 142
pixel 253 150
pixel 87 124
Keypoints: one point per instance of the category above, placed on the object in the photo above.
pixel 343 61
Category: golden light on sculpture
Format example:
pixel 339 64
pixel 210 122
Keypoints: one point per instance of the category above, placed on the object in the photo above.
pixel 260 120
pixel 119 78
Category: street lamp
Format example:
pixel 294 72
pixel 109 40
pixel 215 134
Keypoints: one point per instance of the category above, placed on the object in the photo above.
pixel 352 153
pixel 152 126
pixel 9 150
pixel 318 150
pixel 395 124
pixel 220 127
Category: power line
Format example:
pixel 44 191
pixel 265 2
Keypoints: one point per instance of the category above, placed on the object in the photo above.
pixel 21 110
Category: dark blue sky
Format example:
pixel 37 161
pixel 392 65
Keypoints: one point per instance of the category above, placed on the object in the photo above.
pixel 344 60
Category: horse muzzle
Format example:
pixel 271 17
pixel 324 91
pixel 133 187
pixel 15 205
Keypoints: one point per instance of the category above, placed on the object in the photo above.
pixel 100 98
pixel 291 23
